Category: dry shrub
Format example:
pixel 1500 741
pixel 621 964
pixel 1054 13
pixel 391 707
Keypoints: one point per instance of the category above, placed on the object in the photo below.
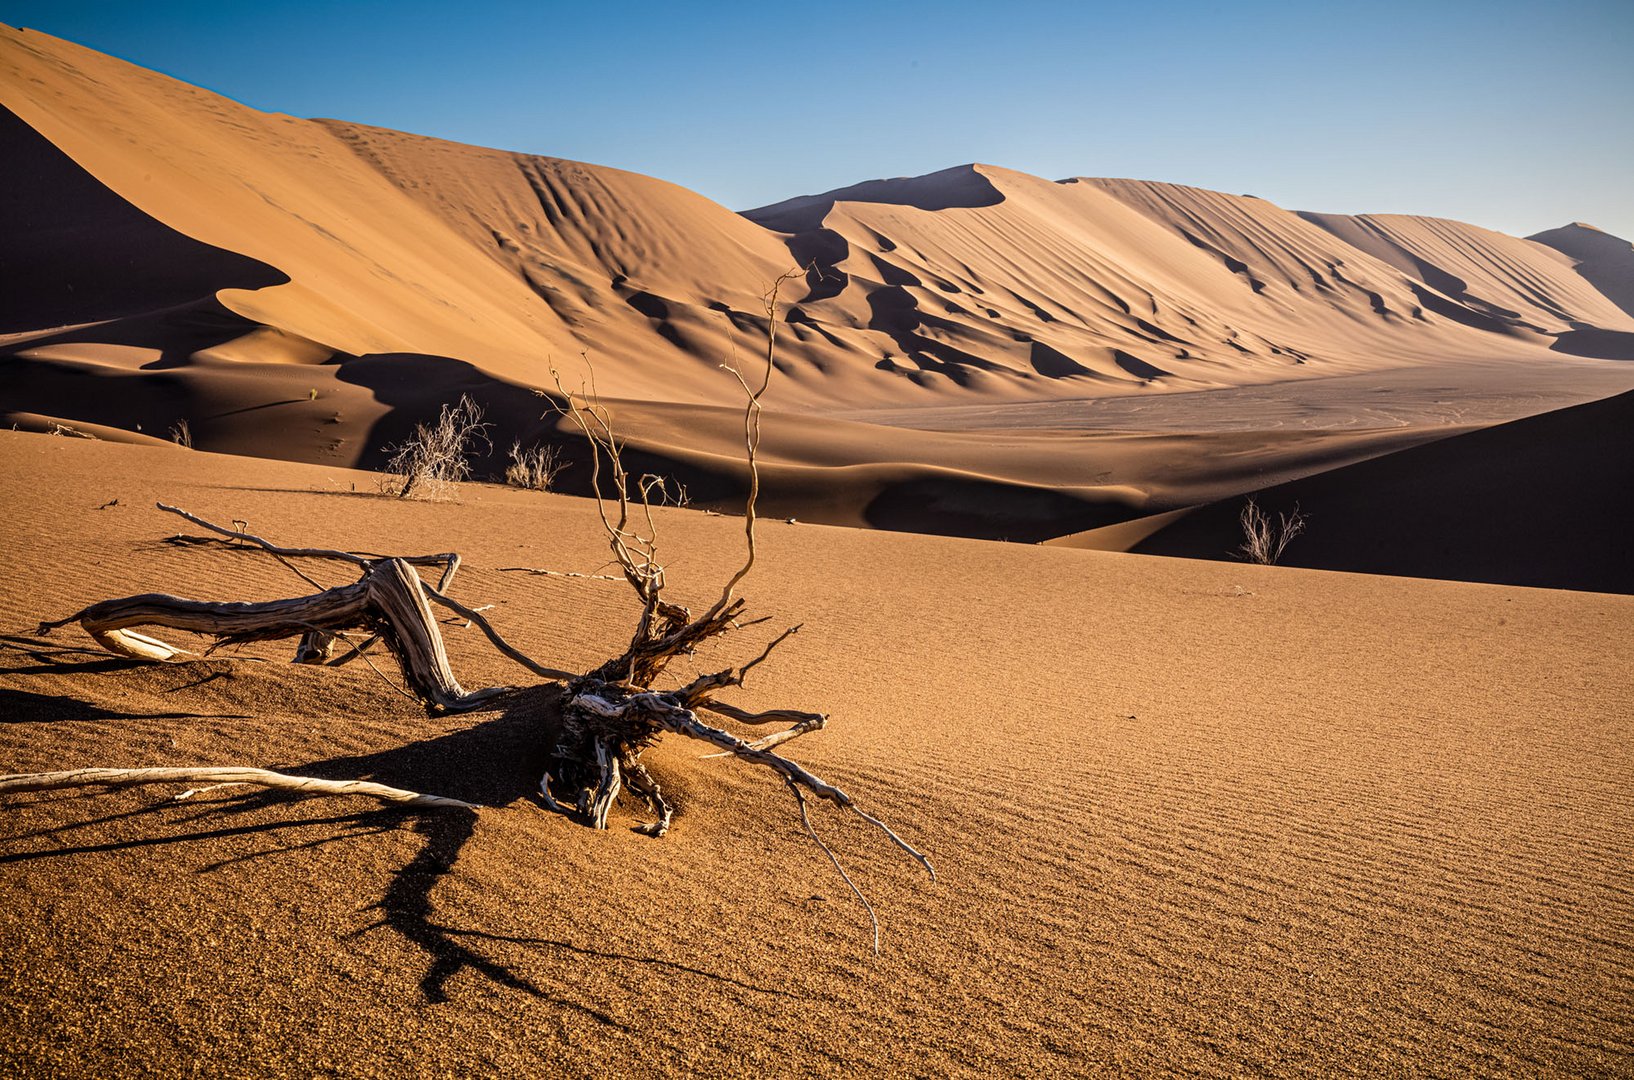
pixel 437 456
pixel 1265 538
pixel 535 469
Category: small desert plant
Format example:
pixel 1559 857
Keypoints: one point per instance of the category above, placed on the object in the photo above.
pixel 1265 538
pixel 181 434
pixel 67 432
pixel 436 456
pixel 535 469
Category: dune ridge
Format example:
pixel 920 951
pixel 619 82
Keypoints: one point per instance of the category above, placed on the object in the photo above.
pixel 976 278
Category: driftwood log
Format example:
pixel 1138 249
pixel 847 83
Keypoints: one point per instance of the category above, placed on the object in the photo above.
pixel 610 715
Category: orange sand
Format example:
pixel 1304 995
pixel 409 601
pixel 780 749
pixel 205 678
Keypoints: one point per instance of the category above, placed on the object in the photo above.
pixel 1188 816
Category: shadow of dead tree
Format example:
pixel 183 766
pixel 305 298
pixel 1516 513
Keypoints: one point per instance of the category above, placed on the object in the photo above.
pixel 493 762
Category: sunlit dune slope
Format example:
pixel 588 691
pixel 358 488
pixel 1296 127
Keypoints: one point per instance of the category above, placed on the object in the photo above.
pixel 973 281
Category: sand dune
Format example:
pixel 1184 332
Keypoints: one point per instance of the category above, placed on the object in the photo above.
pixel 1188 816
pixel 977 279
pixel 310 289
pixel 1606 261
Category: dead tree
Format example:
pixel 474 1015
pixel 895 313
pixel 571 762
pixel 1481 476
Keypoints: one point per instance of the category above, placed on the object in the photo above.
pixel 611 714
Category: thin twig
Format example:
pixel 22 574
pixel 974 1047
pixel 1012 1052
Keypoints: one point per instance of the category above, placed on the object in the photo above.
pixel 556 573
pixel 805 818
pixel 493 635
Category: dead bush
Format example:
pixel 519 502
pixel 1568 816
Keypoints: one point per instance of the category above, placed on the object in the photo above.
pixel 437 456
pixel 536 468
pixel 1265 538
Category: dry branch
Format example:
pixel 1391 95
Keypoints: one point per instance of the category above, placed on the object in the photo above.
pixel 389 602
pixel 221 776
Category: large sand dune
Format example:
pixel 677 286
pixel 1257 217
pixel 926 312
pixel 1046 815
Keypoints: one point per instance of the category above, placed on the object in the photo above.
pixel 1188 816
pixel 309 289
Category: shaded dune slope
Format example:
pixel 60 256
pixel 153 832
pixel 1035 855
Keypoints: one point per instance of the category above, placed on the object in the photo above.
pixel 1541 502
pixel 1606 261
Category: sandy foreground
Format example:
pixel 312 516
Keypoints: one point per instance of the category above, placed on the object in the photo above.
pixel 1188 816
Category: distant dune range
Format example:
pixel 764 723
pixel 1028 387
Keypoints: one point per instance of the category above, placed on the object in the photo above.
pixel 309 289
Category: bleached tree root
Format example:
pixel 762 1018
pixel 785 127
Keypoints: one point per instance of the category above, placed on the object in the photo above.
pixel 390 601
pixel 221 776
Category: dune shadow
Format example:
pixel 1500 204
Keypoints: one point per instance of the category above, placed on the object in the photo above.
pixel 115 261
pixel 1595 343
pixel 945 505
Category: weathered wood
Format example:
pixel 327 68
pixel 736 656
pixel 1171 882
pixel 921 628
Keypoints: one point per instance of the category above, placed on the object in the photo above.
pixel 415 640
pixel 606 791
pixel 389 600
pixel 233 621
pixel 15 783
pixel 315 647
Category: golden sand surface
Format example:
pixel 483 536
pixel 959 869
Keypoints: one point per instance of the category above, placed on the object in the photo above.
pixel 1187 816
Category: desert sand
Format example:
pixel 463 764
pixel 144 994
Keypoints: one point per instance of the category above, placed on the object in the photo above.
pixel 1186 815
pixel 1363 813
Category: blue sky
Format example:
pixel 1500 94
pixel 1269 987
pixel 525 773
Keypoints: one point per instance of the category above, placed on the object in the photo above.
pixel 1517 116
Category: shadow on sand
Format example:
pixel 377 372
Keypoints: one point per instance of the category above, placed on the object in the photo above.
pixel 495 762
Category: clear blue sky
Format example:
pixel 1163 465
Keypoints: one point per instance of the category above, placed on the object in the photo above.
pixel 1514 115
